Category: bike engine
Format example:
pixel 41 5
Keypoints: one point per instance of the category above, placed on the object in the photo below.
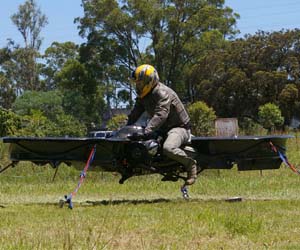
pixel 142 151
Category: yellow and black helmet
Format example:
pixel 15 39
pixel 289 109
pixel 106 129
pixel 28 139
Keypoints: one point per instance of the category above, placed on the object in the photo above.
pixel 145 78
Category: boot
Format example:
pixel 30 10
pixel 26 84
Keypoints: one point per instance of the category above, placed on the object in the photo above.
pixel 191 174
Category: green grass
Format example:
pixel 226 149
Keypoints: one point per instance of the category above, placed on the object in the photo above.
pixel 145 213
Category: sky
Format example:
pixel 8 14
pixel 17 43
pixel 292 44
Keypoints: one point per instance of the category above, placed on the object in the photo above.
pixel 60 27
pixel 267 15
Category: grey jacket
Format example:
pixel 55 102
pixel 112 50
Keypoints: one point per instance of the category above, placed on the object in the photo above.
pixel 164 107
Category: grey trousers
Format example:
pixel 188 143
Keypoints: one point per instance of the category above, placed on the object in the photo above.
pixel 171 148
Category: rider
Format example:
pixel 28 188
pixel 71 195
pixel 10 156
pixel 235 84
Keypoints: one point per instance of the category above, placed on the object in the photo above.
pixel 167 114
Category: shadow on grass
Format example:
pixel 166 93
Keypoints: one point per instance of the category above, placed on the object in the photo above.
pixel 62 203
pixel 88 203
pixel 127 201
pixel 160 200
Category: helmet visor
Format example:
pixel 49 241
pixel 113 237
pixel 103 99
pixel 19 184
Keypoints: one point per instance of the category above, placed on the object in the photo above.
pixel 132 76
pixel 138 84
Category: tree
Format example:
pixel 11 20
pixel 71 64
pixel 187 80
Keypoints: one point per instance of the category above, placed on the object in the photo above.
pixel 30 21
pixel 13 66
pixel 42 114
pixel 123 96
pixel 288 101
pixel 100 56
pixel 35 124
pixel 174 34
pixel 49 103
pixel 55 58
pixel 246 73
pixel 82 97
pixel 9 122
pixel 117 122
pixel 270 116
pixel 202 119
pixel 7 94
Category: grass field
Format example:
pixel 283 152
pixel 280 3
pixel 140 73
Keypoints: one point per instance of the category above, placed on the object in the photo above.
pixel 145 213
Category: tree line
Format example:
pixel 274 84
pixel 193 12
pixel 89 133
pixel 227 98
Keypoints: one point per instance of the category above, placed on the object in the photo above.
pixel 192 43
